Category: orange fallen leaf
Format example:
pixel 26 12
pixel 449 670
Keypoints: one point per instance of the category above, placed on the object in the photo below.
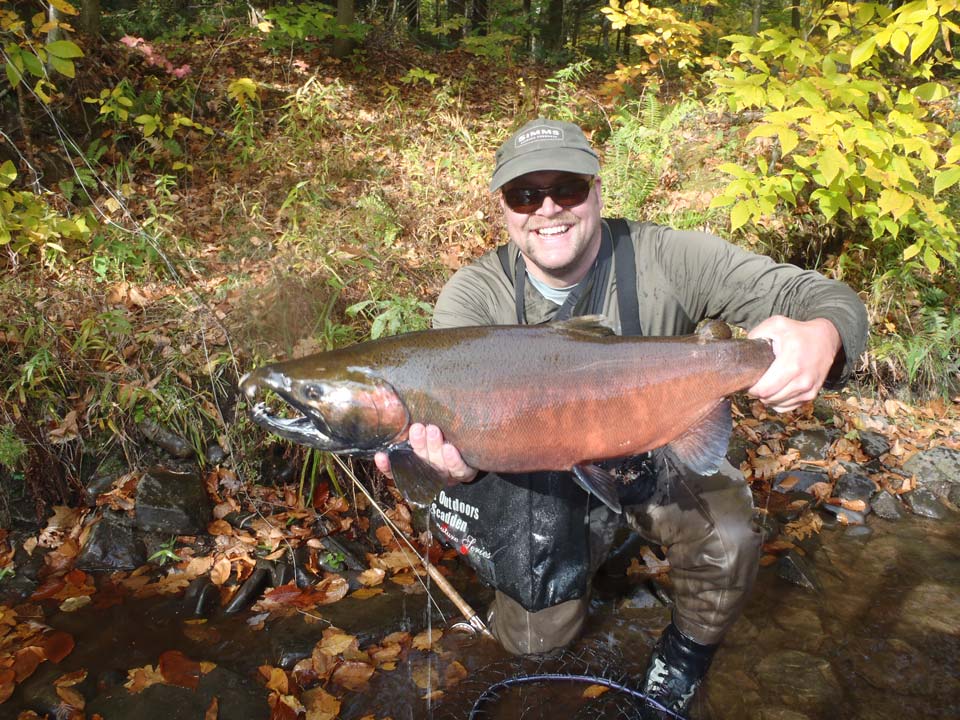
pixel 767 560
pixel 371 577
pixel 57 645
pixel 177 669
pixel 855 505
pixel 352 675
pixel 277 680
pixel 335 641
pixel 213 710
pixel 595 691
pixel 454 673
pixel 7 684
pixel 139 679
pixel 426 639
pixel 71 697
pixel 366 593
pixel 26 660
pixel 320 704
pixel 220 572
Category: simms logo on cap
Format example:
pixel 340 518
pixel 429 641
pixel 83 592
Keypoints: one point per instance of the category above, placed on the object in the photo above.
pixel 539 133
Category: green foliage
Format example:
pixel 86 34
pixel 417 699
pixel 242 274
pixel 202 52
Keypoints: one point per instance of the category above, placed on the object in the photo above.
pixel 308 24
pixel 166 553
pixel 928 350
pixel 31 224
pixel 641 137
pixel 12 448
pixel 563 99
pixel 846 142
pixel 29 49
pixel 415 75
pixel 667 42
pixel 393 315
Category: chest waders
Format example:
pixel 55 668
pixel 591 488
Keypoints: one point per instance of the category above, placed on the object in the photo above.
pixel 528 534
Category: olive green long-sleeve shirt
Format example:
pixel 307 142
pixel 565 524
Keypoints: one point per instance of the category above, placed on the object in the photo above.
pixel 683 277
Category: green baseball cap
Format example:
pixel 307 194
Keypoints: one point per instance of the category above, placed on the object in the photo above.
pixel 544 145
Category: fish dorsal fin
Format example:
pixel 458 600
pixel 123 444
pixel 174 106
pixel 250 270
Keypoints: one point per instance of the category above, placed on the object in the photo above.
pixel 596 325
pixel 703 447
pixel 714 330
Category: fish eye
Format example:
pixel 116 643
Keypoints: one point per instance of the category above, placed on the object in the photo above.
pixel 313 392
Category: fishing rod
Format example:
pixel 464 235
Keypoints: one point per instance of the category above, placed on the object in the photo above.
pixel 473 620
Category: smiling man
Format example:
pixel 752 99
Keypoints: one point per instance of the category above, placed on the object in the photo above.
pixel 538 538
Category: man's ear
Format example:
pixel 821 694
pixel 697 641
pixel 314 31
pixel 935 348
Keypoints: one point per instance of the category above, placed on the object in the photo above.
pixel 597 186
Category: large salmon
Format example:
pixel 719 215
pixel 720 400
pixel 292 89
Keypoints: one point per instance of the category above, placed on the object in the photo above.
pixel 514 399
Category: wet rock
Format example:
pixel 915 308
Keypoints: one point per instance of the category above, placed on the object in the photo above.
pixel 873 444
pixel 858 532
pixel 737 450
pixel 778 713
pixel 887 506
pixel 168 441
pixel 770 428
pixel 798 481
pixel 802 625
pixel 925 503
pixel 105 472
pixel 641 597
pixel 796 569
pixel 844 516
pixel 930 609
pixel 954 495
pixel 41 695
pixel 345 553
pixel 823 410
pixel 813 444
pixel 172 503
pixel 893 664
pixel 112 545
pixel 855 486
pixel 237 697
pixel 800 681
pixel 215 454
pixel 937 469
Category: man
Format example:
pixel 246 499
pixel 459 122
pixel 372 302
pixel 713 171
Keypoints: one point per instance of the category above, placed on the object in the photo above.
pixel 542 538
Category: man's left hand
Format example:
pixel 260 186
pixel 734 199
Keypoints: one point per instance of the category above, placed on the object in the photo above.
pixel 804 353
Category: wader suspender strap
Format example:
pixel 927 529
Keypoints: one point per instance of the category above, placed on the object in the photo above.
pixel 626 274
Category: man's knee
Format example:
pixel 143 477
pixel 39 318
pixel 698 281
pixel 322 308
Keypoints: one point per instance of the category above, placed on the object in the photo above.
pixel 522 632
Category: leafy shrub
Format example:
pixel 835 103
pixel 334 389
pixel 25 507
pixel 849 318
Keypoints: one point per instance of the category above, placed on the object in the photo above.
pixel 847 142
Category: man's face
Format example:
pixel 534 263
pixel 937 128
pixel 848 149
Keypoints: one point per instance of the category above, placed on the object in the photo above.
pixel 559 243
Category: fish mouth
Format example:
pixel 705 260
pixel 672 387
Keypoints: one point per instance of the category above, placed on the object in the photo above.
pixel 305 428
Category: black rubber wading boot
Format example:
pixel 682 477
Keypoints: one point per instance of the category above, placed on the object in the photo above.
pixel 676 668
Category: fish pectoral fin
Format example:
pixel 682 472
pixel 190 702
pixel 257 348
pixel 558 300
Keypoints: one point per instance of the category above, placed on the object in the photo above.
pixel 704 446
pixel 597 481
pixel 417 480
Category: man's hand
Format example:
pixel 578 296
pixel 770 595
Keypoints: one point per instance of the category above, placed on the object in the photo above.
pixel 427 442
pixel 804 353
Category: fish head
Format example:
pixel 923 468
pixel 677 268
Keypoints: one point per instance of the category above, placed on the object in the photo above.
pixel 341 411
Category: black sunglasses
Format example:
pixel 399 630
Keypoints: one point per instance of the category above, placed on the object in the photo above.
pixel 529 199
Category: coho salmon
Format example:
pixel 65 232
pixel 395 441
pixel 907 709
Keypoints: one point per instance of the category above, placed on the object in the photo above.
pixel 513 399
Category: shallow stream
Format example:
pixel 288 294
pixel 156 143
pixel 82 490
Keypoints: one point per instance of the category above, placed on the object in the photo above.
pixel 879 639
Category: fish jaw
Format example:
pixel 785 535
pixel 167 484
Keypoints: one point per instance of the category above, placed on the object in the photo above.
pixel 359 415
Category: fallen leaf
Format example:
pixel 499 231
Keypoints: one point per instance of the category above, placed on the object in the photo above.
pixel 57 645
pixel 855 505
pixel 177 669
pixel 26 660
pixel 320 704
pixel 366 593
pixel 426 639
pixel 71 697
pixel 595 691
pixel 73 604
pixel 454 673
pixel 7 684
pixel 277 679
pixel 371 577
pixel 335 642
pixel 220 572
pixel 213 710
pixel 139 679
pixel 352 675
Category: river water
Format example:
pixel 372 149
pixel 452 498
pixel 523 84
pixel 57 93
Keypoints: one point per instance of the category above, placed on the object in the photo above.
pixel 878 639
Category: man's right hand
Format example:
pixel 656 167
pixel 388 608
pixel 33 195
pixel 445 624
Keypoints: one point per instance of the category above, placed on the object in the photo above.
pixel 427 442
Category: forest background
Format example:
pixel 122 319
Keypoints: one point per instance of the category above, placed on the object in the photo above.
pixel 188 189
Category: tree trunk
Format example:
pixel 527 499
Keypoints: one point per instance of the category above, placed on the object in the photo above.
pixel 345 16
pixel 795 15
pixel 755 20
pixel 89 19
pixel 551 32
pixel 455 8
pixel 479 15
